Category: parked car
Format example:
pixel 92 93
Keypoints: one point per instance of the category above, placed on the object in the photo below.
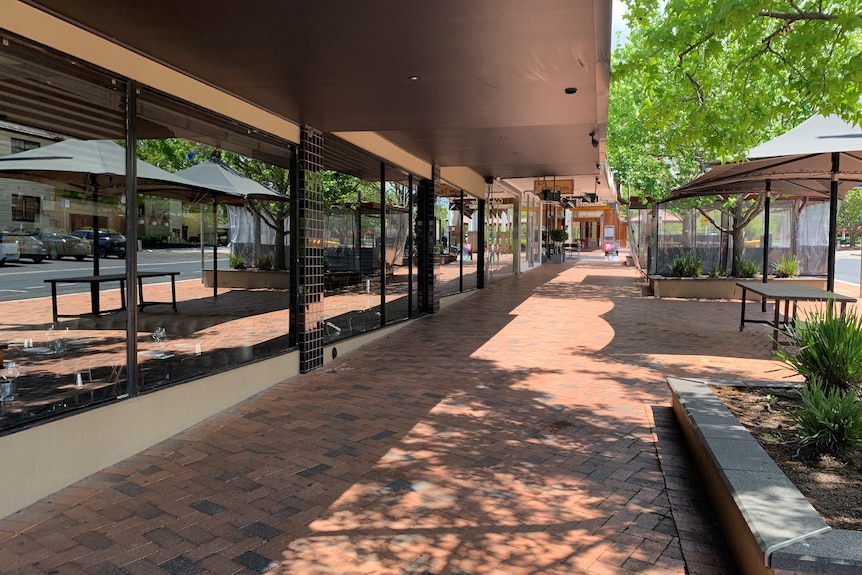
pixel 110 243
pixel 61 245
pixel 8 249
pixel 28 246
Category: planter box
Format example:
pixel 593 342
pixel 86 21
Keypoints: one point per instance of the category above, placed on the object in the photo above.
pixel 716 288
pixel 248 279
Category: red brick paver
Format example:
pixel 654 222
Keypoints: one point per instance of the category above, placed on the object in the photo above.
pixel 523 430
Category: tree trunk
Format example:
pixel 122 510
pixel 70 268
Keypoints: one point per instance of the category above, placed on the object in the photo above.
pixel 280 253
pixel 737 235
pixel 256 251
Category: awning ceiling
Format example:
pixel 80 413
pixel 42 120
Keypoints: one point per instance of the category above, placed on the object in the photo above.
pixel 491 93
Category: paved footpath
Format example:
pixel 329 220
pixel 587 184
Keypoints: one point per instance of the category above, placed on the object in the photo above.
pixel 525 429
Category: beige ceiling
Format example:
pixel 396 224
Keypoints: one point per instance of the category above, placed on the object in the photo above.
pixel 492 73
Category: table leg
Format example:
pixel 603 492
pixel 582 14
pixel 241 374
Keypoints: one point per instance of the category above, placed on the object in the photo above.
pixel 122 294
pixel 174 292
pixel 94 298
pixel 775 324
pixel 54 300
pixel 140 293
pixel 742 315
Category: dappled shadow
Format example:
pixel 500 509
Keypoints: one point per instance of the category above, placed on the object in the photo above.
pixel 449 447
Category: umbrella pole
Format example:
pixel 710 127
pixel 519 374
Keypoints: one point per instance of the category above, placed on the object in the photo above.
pixel 766 207
pixel 215 246
pixel 201 239
pixel 94 287
pixel 833 223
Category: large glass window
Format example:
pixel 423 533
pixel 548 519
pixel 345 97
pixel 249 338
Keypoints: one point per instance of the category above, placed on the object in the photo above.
pixel 63 318
pixel 229 246
pixel 67 352
pixel 456 250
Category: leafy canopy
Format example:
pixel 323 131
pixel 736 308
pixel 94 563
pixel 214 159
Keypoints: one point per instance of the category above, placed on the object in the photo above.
pixel 700 80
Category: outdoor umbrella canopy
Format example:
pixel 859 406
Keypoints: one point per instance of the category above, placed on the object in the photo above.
pixel 822 157
pixel 98 166
pixel 797 163
pixel 217 176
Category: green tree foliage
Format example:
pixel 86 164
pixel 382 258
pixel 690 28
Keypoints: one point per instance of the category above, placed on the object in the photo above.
pixel 849 212
pixel 727 75
pixel 703 81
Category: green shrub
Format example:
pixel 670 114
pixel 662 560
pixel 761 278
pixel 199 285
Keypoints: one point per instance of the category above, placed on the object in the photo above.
pixel 686 265
pixel 787 267
pixel 829 419
pixel 826 346
pixel 264 263
pixel 746 269
pixel 718 273
pixel 236 262
pixel 559 235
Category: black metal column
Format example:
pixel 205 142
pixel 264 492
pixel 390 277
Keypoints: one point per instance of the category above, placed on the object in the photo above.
pixel 766 208
pixel 833 223
pixel 480 252
pixel 293 265
pixel 410 245
pixel 131 229
pixel 382 244
pixel 309 199
pixel 426 227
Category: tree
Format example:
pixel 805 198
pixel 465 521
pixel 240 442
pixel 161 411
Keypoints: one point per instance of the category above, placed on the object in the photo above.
pixel 176 154
pixel 701 81
pixel 652 160
pixel 850 212
pixel 728 74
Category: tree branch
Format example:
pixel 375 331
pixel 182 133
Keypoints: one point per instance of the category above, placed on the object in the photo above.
pixel 796 16
pixel 712 221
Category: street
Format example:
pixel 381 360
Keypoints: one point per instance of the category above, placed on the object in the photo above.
pixel 25 279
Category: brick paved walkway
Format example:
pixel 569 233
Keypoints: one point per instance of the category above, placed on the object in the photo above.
pixel 523 430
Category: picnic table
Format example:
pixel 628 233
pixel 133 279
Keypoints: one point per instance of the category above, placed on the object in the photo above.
pixel 788 293
pixel 96 281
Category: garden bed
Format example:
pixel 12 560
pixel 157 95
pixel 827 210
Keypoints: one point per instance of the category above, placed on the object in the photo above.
pixel 248 279
pixel 716 288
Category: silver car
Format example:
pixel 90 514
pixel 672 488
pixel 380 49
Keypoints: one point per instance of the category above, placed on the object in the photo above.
pixel 28 246
pixel 60 245
pixel 8 249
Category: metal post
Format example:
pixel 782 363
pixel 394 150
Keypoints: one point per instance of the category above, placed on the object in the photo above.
pixel 382 244
pixel 131 114
pixel 410 244
pixel 765 242
pixel 215 246
pixel 461 245
pixel 833 223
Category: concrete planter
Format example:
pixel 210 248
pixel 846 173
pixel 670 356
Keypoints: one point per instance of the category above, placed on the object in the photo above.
pixel 716 288
pixel 248 279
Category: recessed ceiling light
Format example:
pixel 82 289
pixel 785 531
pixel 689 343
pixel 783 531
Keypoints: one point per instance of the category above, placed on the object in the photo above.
pixel 413 78
pixel 571 90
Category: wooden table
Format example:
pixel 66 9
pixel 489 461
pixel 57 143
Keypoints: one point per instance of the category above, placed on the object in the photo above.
pixel 96 281
pixel 788 293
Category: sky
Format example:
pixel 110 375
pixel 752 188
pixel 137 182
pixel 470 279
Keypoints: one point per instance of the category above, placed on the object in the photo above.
pixel 617 24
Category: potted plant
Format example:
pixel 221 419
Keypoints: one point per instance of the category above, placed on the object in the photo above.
pixel 559 237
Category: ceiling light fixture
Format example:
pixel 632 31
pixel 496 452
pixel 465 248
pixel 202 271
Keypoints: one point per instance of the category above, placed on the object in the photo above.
pixel 570 90
pixel 413 78
pixel 593 140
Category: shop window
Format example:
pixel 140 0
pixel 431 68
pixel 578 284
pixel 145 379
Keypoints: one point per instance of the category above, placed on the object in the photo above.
pixel 19 145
